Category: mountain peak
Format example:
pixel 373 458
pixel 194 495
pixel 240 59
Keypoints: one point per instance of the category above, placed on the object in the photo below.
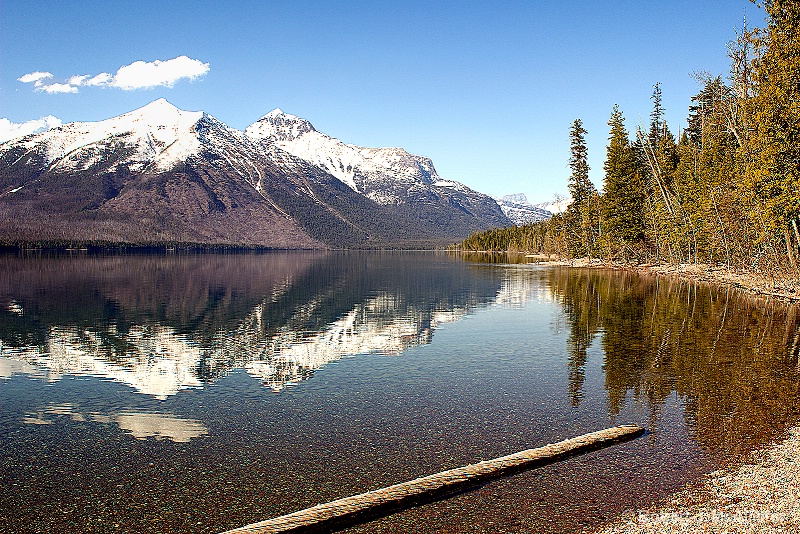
pixel 162 110
pixel 157 133
pixel 274 113
pixel 160 102
pixel 278 125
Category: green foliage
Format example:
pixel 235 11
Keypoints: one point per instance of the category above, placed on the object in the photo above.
pixel 581 220
pixel 657 115
pixel 707 178
pixel 530 237
pixel 623 221
pixel 580 187
pixel 771 151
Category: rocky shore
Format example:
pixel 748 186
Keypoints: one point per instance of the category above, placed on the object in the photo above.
pixel 760 495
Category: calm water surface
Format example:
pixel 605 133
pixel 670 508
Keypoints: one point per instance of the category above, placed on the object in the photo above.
pixel 196 393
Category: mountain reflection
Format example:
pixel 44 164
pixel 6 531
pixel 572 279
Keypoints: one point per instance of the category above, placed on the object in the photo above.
pixel 161 324
pixel 732 357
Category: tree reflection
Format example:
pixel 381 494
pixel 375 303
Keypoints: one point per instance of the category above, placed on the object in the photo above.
pixel 733 358
pixel 581 306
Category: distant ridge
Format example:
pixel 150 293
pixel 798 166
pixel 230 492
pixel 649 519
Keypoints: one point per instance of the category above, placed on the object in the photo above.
pixel 517 208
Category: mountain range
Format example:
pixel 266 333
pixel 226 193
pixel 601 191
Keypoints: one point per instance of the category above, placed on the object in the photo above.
pixel 162 176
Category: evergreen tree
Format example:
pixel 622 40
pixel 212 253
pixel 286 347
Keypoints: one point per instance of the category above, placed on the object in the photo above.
pixel 624 197
pixel 580 187
pixel 582 217
pixel 668 226
pixel 708 110
pixel 707 178
pixel 657 115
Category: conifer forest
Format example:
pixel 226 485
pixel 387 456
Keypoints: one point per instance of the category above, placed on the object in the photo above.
pixel 725 190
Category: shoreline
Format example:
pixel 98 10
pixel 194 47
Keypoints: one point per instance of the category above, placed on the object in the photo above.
pixel 747 281
pixel 759 494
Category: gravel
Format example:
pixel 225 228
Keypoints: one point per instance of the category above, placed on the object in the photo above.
pixel 760 495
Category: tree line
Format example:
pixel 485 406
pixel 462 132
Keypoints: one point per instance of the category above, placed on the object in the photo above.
pixel 726 190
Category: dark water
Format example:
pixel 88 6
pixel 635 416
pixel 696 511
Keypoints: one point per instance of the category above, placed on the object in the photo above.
pixel 196 393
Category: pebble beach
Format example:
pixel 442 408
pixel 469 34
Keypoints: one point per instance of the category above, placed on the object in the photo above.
pixel 759 495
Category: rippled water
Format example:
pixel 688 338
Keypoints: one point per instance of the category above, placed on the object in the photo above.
pixel 196 393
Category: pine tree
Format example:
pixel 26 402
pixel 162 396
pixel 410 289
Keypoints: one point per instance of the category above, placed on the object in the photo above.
pixel 708 110
pixel 582 217
pixel 580 187
pixel 657 115
pixel 707 179
pixel 624 197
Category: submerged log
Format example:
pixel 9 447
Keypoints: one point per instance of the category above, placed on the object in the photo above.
pixel 350 510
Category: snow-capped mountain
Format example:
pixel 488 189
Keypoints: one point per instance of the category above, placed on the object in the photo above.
pixel 162 175
pixel 517 208
pixel 386 175
pixel 158 134
pixel 156 137
pixel 156 175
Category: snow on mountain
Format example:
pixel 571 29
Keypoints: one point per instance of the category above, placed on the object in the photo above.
pixel 558 205
pixel 517 208
pixel 516 198
pixel 155 137
pixel 374 172
pixel 157 133
pixel 279 126
pixel 158 136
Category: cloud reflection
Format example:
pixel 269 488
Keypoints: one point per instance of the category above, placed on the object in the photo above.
pixel 140 425
pixel 160 426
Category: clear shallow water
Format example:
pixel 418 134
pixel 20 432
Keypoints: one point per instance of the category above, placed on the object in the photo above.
pixel 195 393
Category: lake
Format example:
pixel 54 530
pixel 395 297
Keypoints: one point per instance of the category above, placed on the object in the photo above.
pixel 201 392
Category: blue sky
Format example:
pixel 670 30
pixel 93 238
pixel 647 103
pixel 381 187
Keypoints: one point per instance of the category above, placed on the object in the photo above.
pixel 488 90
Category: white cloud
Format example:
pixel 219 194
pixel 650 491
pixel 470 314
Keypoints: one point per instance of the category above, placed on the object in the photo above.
pixel 143 75
pixel 101 79
pixel 11 130
pixel 77 80
pixel 58 88
pixel 35 77
pixel 137 75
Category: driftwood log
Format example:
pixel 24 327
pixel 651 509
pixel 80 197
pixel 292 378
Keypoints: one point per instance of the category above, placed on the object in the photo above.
pixel 358 508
